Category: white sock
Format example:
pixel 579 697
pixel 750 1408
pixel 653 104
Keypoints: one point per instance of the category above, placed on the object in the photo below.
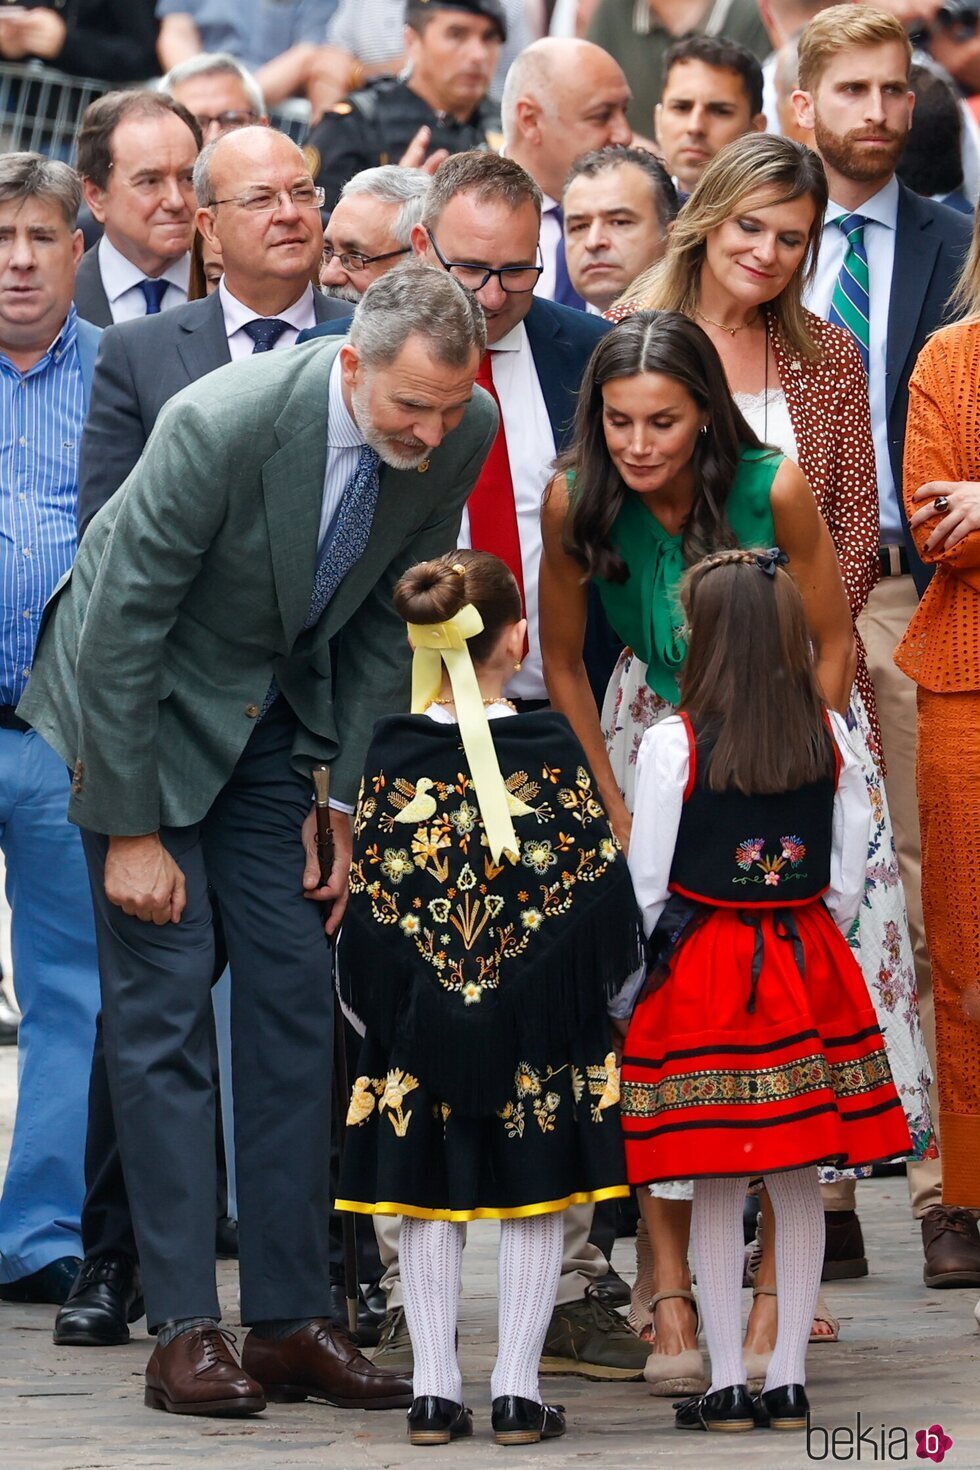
pixel 718 1250
pixel 528 1269
pixel 799 1261
pixel 431 1255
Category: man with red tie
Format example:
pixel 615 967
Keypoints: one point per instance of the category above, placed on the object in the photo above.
pixel 482 222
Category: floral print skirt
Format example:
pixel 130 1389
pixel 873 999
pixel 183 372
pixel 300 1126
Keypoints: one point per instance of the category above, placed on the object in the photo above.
pixel 880 939
pixel 556 1141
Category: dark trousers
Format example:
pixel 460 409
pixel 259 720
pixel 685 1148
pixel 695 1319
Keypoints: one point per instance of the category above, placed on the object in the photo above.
pixel 247 855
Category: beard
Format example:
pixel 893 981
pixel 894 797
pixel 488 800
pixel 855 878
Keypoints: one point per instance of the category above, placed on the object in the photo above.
pixel 342 293
pixel 398 454
pixel 843 152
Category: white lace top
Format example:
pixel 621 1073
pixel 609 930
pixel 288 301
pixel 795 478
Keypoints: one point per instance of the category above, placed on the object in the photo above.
pixel 768 414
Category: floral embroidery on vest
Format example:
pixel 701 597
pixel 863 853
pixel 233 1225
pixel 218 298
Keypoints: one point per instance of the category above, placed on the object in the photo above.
pixel 772 869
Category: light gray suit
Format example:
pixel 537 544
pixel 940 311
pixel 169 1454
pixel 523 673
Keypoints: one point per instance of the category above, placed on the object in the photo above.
pixel 187 598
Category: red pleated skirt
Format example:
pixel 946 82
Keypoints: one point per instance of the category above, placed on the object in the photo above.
pixel 711 1088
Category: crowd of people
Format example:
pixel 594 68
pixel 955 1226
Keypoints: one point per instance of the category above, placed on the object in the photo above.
pixel 595 540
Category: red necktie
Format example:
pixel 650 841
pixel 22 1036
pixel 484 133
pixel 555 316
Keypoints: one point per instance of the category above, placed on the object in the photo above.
pixel 491 506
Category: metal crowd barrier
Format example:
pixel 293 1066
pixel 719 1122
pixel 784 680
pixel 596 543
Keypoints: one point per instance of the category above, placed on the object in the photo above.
pixel 41 109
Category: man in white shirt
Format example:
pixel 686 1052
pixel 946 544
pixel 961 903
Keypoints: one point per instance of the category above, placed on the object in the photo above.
pixel 619 205
pixel 562 98
pixel 887 265
pixel 136 153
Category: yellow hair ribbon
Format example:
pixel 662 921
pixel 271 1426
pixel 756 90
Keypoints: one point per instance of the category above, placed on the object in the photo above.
pixel 445 643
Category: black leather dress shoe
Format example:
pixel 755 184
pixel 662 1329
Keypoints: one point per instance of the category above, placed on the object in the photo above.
pixel 436 1421
pixel 106 1297
pixel 51 1284
pixel 369 1323
pixel 375 1298
pixel 521 1421
pixel 728 1410
pixel 611 1290
pixel 782 1408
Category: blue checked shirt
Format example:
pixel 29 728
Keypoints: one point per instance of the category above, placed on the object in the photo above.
pixel 41 417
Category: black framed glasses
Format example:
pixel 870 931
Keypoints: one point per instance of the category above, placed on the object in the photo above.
pixel 516 280
pixel 353 260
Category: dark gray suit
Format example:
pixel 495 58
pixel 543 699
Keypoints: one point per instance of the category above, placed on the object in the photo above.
pixel 141 365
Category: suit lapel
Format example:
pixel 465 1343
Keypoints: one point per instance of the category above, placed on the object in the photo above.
pixel 292 487
pixel 90 298
pixel 916 249
pixel 559 387
pixel 202 343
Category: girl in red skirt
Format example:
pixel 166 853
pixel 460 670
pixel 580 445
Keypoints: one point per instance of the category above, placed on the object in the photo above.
pixel 754 1050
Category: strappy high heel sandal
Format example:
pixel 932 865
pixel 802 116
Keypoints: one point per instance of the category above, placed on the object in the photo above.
pixel 640 1316
pixel 669 1374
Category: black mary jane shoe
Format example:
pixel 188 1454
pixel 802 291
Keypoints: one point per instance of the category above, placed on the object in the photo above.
pixel 522 1421
pixel 433 1420
pixel 727 1411
pixel 782 1408
pixel 105 1298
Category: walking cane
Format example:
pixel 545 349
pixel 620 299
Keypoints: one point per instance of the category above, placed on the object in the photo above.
pixel 341 1083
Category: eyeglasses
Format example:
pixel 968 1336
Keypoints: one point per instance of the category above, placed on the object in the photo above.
pixel 516 280
pixel 304 196
pixel 226 120
pixel 353 260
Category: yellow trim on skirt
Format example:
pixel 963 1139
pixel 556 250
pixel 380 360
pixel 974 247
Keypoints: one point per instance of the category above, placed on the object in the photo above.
pixel 521 1212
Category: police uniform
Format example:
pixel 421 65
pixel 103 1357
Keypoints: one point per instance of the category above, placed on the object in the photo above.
pixel 376 125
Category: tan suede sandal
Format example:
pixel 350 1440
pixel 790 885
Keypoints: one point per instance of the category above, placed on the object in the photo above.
pixel 640 1316
pixel 669 1374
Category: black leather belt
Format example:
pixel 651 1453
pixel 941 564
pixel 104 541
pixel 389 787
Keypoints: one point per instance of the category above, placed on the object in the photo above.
pixel 894 561
pixel 10 719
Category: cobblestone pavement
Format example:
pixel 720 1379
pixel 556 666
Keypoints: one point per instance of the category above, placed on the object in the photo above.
pixel 908 1359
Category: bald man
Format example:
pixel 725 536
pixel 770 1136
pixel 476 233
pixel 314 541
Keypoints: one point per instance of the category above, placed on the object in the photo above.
pixel 562 98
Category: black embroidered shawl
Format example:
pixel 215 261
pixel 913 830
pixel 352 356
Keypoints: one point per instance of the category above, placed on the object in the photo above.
pixel 470 964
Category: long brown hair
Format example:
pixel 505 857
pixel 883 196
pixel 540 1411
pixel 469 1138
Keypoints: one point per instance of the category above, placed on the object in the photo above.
pixel 752 165
pixel 434 591
pixel 652 342
pixel 748 678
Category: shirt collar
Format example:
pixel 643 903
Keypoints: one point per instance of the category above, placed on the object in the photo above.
pixel 300 315
pixel 513 341
pixel 882 207
pixel 342 431
pixel 120 275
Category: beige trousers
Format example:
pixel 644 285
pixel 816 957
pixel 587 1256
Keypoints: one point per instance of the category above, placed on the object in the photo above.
pixel 582 1263
pixel 882 625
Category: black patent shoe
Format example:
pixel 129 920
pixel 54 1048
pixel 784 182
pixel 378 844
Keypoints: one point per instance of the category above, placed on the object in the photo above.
pixel 782 1408
pixel 727 1410
pixel 521 1421
pixel 106 1297
pixel 433 1420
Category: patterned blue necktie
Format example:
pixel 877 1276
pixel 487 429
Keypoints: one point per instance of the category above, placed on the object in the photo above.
pixel 565 292
pixel 265 332
pixel 850 306
pixel 345 541
pixel 153 294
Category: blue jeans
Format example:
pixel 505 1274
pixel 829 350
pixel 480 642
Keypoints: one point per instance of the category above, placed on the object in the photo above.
pixel 57 979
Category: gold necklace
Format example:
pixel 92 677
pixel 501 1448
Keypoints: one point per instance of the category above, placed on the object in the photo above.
pixel 721 325
pixel 499 700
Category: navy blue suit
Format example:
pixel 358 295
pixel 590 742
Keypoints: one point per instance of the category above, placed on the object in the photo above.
pixel 931 242
pixel 561 341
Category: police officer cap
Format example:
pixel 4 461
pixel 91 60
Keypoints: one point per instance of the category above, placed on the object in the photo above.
pixel 490 9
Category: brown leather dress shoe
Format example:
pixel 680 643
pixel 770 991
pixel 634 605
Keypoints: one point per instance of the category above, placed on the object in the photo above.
pixel 951 1241
pixel 321 1362
pixel 197 1373
pixel 844 1258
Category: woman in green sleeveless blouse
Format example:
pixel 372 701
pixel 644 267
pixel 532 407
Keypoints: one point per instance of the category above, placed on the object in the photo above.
pixel 664 470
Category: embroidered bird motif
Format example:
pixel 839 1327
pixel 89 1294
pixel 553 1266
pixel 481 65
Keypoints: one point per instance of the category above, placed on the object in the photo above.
pixel 610 1090
pixel 422 806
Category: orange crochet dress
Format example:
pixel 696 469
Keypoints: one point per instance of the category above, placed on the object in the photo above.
pixel 941 652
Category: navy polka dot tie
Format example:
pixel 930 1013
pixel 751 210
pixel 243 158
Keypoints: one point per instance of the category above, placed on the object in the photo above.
pixel 265 332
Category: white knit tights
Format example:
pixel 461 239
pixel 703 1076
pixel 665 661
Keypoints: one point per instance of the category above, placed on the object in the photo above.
pixel 528 1269
pixel 431 1254
pixel 716 1241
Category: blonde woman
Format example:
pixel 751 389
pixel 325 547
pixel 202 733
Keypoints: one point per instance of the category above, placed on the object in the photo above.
pixel 941 653
pixel 739 257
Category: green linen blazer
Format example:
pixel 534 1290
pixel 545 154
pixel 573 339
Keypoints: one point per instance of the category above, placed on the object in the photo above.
pixel 191 586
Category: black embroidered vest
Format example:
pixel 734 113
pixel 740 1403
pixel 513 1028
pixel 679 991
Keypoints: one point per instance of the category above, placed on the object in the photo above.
pixel 742 851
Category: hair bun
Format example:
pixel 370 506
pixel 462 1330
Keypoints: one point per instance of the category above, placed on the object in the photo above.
pixel 433 591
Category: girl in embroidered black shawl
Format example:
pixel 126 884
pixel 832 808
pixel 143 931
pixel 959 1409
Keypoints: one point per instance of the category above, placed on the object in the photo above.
pixel 755 1050
pixel 481 965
